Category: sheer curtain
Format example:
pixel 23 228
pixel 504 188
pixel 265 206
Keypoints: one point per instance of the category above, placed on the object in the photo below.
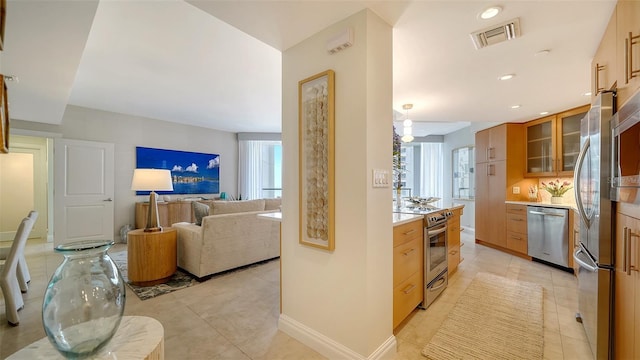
pixel 432 170
pixel 259 169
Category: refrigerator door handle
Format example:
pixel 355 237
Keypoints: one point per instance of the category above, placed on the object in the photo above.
pixel 578 185
pixel 582 263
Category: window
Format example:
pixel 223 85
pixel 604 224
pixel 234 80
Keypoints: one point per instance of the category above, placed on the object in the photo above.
pixel 463 175
pixel 260 169
pixel 425 169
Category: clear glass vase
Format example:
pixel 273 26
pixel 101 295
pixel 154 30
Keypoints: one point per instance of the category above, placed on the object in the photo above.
pixel 84 301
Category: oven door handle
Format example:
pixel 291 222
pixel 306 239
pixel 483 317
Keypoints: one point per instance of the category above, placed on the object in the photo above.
pixel 442 282
pixel 431 233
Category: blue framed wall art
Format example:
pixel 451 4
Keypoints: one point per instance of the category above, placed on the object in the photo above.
pixel 191 172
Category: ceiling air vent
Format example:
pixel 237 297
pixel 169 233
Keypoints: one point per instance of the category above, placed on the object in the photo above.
pixel 496 34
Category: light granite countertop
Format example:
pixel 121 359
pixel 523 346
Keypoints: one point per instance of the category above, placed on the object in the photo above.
pixel 402 218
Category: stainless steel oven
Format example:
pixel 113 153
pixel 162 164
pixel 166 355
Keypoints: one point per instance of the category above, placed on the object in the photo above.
pixel 435 250
pixel 435 255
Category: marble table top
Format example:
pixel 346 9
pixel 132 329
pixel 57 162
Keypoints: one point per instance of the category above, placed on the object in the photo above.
pixel 138 337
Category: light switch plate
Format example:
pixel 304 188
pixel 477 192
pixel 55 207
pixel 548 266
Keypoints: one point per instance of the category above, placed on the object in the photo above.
pixel 381 178
pixel 516 190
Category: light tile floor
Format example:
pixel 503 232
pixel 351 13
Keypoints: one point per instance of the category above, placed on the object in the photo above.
pixel 234 316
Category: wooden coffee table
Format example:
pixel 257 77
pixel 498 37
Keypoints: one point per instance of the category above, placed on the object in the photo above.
pixel 151 256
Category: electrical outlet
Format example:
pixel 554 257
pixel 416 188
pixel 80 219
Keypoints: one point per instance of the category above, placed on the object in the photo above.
pixel 516 189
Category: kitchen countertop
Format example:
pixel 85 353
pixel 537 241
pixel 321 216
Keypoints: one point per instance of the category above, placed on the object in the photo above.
pixel 402 218
pixel 544 204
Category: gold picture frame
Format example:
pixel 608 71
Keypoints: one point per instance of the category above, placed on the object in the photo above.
pixel 4 117
pixel 316 141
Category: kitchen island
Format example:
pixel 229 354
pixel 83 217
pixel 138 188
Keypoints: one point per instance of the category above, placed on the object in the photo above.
pixel 409 283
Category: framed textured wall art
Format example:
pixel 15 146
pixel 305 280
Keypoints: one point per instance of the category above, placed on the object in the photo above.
pixel 4 117
pixel 316 141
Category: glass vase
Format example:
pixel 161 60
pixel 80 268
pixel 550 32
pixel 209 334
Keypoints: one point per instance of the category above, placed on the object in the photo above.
pixel 398 199
pixel 84 300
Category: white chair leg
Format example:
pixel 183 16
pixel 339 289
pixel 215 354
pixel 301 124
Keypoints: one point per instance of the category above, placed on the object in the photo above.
pixel 23 275
pixel 12 298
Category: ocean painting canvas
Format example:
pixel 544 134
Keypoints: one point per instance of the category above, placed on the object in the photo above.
pixel 191 172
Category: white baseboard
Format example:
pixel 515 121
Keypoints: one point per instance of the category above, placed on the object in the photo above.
pixel 330 348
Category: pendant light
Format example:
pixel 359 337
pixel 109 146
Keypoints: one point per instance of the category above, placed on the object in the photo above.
pixel 407 124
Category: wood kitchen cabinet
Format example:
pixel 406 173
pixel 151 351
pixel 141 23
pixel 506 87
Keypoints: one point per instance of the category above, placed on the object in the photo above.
pixel 453 240
pixel 626 319
pixel 553 143
pixel 491 144
pixel 604 66
pixel 408 273
pixel 501 166
pixel 517 228
pixel 627 49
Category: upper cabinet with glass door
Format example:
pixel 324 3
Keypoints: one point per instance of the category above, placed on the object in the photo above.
pixel 553 143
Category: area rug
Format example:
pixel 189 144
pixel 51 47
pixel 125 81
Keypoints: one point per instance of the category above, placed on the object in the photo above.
pixel 495 318
pixel 179 280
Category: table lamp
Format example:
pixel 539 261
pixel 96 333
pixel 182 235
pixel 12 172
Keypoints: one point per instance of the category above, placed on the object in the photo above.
pixel 152 180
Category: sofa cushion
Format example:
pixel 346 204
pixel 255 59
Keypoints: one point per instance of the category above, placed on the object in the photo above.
pixel 230 207
pixel 200 210
pixel 272 204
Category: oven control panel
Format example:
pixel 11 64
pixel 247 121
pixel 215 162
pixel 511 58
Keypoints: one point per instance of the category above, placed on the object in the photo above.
pixel 438 217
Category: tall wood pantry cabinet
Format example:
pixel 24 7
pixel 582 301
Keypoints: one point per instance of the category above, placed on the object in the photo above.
pixel 495 172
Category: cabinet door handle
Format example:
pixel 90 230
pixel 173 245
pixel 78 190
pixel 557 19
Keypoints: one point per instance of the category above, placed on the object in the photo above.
pixel 406 253
pixel 625 239
pixel 597 89
pixel 516 237
pixel 489 170
pixel 629 264
pixel 516 219
pixel 409 289
pixel 576 237
pixel 629 72
pixel 409 232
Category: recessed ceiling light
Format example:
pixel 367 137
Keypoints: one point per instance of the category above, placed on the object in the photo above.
pixel 515 106
pixel 507 77
pixel 588 93
pixel 490 12
pixel 542 52
pixel 544 113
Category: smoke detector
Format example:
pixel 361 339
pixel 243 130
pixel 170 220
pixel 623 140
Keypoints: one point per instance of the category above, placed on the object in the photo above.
pixel 496 34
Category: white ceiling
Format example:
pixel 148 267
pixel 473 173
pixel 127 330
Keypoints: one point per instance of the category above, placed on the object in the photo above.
pixel 217 64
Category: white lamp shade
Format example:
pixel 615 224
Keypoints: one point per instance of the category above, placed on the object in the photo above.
pixel 151 180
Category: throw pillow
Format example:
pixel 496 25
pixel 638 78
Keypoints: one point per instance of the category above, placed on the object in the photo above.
pixel 200 210
pixel 230 207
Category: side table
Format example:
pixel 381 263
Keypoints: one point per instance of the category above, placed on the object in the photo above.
pixel 138 337
pixel 151 256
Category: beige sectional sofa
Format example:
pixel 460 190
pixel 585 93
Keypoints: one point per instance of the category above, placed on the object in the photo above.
pixel 231 236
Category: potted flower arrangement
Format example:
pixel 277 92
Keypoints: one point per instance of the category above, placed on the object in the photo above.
pixel 398 169
pixel 556 189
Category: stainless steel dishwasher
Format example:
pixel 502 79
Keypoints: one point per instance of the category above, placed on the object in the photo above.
pixel 548 234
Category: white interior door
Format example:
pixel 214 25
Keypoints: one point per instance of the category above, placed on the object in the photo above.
pixel 83 191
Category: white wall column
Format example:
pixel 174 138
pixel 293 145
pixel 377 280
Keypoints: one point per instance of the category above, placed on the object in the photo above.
pixel 341 302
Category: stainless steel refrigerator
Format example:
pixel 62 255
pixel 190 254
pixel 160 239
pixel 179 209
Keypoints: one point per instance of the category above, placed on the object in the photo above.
pixel 595 254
